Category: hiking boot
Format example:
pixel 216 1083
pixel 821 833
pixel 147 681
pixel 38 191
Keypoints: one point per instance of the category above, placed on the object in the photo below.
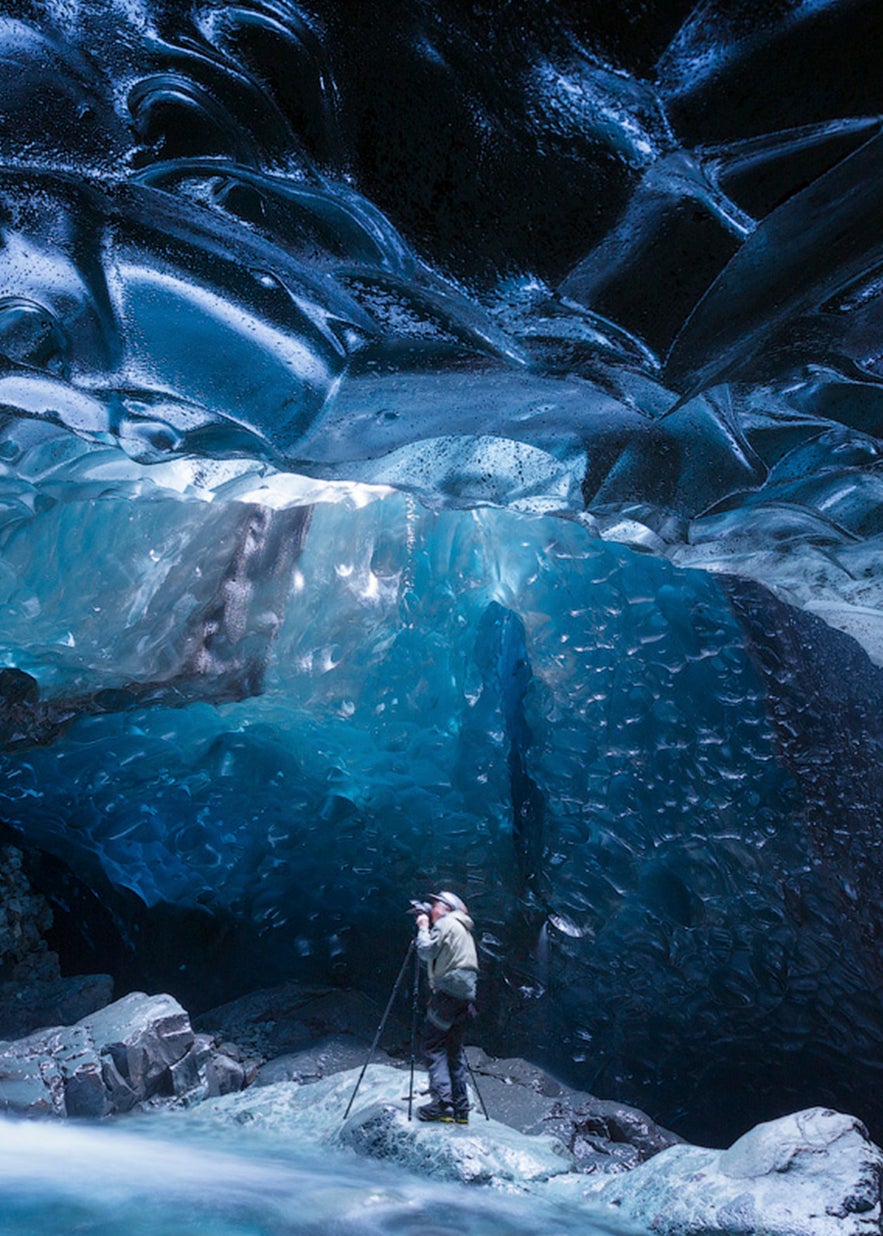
pixel 440 1112
pixel 461 1117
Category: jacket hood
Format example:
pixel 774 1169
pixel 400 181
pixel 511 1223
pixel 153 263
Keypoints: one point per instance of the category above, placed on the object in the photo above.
pixel 461 918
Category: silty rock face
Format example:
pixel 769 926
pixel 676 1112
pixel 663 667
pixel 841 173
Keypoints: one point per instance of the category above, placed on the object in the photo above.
pixel 814 1173
pixel 140 1049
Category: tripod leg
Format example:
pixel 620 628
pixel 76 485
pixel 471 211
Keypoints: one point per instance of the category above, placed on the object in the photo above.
pixel 414 1004
pixel 389 1002
pixel 475 1084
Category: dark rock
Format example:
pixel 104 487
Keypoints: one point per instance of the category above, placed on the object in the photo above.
pixel 331 1055
pixel 141 1050
pixel 17 687
pixel 32 990
pixel 26 1006
pixel 85 1093
pixel 184 1073
pixel 524 1096
pixel 224 1074
pixel 597 1155
pixel 145 1056
pixel 616 1123
pixel 290 1018
pixel 25 916
pixel 121 1095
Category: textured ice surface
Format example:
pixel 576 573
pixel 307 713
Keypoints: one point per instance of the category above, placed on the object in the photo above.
pixel 811 1173
pixel 382 388
pixel 486 1152
pixel 572 730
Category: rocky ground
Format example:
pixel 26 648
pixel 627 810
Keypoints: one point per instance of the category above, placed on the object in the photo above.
pixel 292 1057
pixel 815 1173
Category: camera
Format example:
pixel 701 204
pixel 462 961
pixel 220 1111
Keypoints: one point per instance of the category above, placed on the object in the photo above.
pixel 419 907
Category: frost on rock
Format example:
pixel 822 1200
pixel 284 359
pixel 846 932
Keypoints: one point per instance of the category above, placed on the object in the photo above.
pixel 811 1174
pixel 484 1152
pixel 139 1050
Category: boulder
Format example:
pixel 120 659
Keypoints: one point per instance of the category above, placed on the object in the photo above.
pixel 602 1135
pixel 27 1005
pixel 291 1018
pixel 224 1073
pixel 330 1055
pixel 375 1125
pixel 140 1050
pixel 814 1173
pixel 484 1152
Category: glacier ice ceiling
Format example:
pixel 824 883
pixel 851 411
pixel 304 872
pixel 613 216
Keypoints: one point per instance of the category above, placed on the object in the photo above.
pixel 440 444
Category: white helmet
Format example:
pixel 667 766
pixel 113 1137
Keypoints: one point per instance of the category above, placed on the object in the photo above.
pixel 451 900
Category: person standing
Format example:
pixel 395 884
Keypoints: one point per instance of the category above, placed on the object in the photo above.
pixel 446 947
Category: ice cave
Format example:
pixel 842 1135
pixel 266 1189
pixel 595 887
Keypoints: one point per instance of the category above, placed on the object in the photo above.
pixel 441 446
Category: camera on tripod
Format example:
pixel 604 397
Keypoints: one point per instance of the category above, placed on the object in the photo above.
pixel 416 908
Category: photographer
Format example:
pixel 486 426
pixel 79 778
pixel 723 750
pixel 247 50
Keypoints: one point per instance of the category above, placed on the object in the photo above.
pixel 447 949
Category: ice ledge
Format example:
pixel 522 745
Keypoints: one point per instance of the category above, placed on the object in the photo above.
pixel 814 1173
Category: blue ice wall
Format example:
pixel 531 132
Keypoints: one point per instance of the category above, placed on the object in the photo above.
pixel 571 731
pixel 441 443
pixel 431 675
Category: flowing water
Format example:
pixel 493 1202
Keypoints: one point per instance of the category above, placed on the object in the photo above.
pixel 126 1180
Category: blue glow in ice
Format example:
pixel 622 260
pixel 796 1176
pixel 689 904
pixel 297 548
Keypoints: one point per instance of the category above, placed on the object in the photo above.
pixel 446 443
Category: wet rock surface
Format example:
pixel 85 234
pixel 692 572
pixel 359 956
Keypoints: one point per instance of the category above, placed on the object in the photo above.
pixel 486 1153
pixel 140 1050
pixel 26 1005
pixel 330 1055
pixel 601 1134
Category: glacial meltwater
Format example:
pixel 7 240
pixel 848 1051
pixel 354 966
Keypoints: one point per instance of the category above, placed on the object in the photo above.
pixel 121 1179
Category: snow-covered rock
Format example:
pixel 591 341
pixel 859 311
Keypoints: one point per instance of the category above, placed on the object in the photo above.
pixel 377 1127
pixel 814 1173
pixel 135 1050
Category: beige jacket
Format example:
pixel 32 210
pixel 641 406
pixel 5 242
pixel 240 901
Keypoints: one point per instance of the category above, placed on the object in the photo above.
pixel 448 952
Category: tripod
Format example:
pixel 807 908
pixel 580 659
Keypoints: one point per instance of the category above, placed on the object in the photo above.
pixel 412 948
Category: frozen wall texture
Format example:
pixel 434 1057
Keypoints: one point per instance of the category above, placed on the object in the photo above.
pixel 440 444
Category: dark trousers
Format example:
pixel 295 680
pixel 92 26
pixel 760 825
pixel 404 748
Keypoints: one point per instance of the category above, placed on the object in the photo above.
pixel 443 1032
